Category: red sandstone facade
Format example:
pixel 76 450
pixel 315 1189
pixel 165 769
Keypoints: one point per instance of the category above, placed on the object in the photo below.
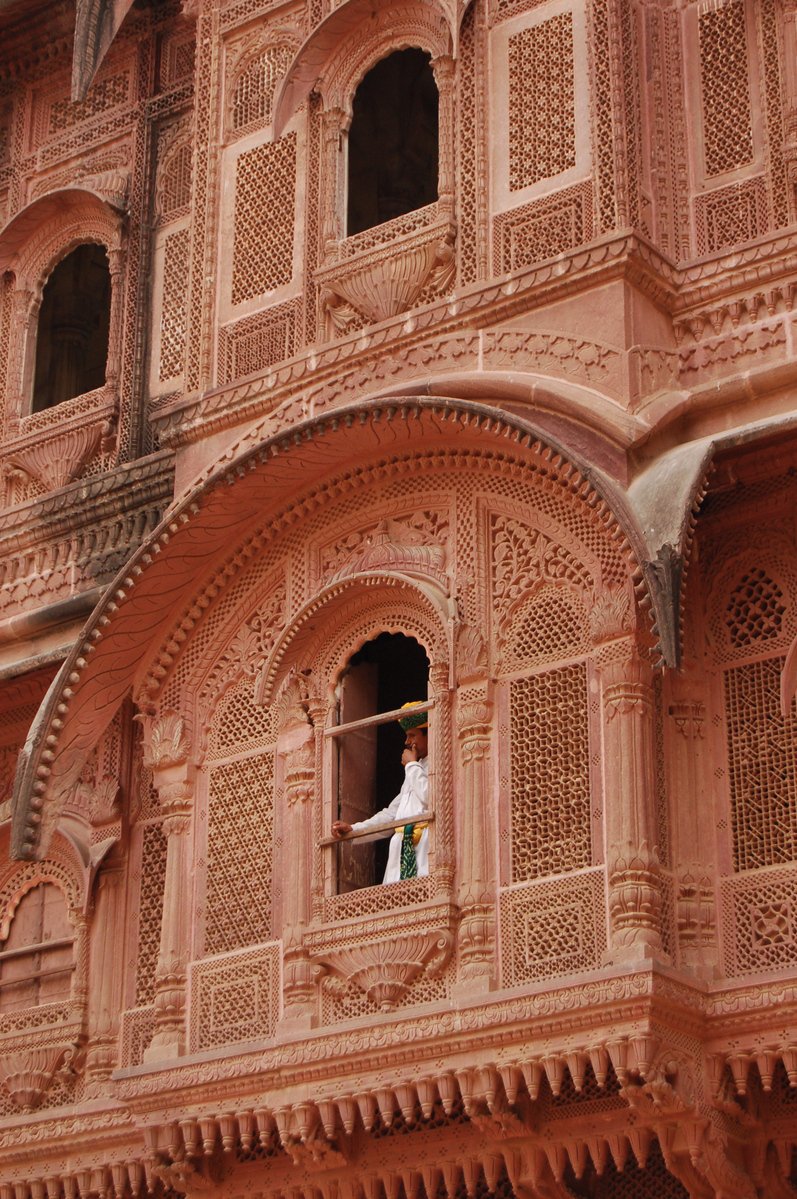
pixel 273 461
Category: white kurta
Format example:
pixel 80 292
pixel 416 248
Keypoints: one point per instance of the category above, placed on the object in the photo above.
pixel 411 802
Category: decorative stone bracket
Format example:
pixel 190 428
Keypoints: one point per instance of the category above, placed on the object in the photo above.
pixel 381 282
pixel 27 1074
pixel 385 970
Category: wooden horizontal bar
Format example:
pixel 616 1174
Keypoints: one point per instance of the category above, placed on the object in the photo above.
pixel 380 718
pixel 41 947
pixel 373 834
pixel 32 978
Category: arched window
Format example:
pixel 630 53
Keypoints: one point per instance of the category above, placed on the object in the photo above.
pixel 393 141
pixel 384 674
pixel 73 328
pixel 37 960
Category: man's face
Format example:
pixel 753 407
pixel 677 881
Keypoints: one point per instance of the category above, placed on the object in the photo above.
pixel 417 739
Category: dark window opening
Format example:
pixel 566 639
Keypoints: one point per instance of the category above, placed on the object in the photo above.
pixel 36 961
pixel 74 322
pixel 393 141
pixel 387 672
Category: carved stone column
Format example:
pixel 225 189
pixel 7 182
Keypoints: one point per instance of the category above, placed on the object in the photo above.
pixel 297 745
pixel 444 74
pixel 333 124
pixel 692 832
pixel 477 938
pixel 23 314
pixel 105 972
pixel 633 865
pixel 166 753
pixel 113 361
pixel 441 780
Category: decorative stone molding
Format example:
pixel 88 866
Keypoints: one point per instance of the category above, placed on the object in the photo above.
pixel 55 461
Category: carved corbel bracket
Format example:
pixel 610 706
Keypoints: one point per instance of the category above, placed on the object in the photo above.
pixel 385 970
pixel 382 282
pixel 27 1074
pixel 58 460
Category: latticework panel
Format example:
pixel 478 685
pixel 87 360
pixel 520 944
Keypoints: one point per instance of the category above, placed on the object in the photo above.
pixel 253 90
pixel 543 228
pixel 258 341
pixel 150 910
pixel 551 626
pixel 174 184
pixel 377 899
pixel 178 54
pixel 759 918
pixel 731 215
pixel 542 117
pixel 135 1034
pixel 56 115
pixel 551 823
pixel 174 304
pixel 725 86
pixel 239 857
pixel 240 724
pixel 755 609
pixel 234 998
pixel 553 928
pixel 265 185
pixel 762 752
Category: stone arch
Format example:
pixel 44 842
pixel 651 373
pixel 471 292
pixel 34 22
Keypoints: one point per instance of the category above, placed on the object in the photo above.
pixel 336 55
pixel 333 624
pixel 189 559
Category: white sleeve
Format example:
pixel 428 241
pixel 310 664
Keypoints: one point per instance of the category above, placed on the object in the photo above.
pixel 386 816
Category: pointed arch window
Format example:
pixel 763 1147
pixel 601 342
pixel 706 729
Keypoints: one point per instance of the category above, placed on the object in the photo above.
pixel 73 328
pixel 393 141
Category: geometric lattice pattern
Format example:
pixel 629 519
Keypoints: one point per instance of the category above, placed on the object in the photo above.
pixel 755 610
pixel 724 75
pixel 173 317
pixel 153 877
pixel 542 118
pixel 550 626
pixel 762 753
pixel 550 773
pixel 257 341
pixel 265 184
pixel 240 724
pixel 553 928
pixel 235 998
pixel 731 215
pixel 174 183
pixel 543 228
pixel 240 845
pixel 135 1034
pixel 253 94
pixel 760 921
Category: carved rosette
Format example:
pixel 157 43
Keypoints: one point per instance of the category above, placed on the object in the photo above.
pixel 385 970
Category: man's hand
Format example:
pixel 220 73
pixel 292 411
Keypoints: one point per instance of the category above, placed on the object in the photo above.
pixel 410 754
pixel 341 829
